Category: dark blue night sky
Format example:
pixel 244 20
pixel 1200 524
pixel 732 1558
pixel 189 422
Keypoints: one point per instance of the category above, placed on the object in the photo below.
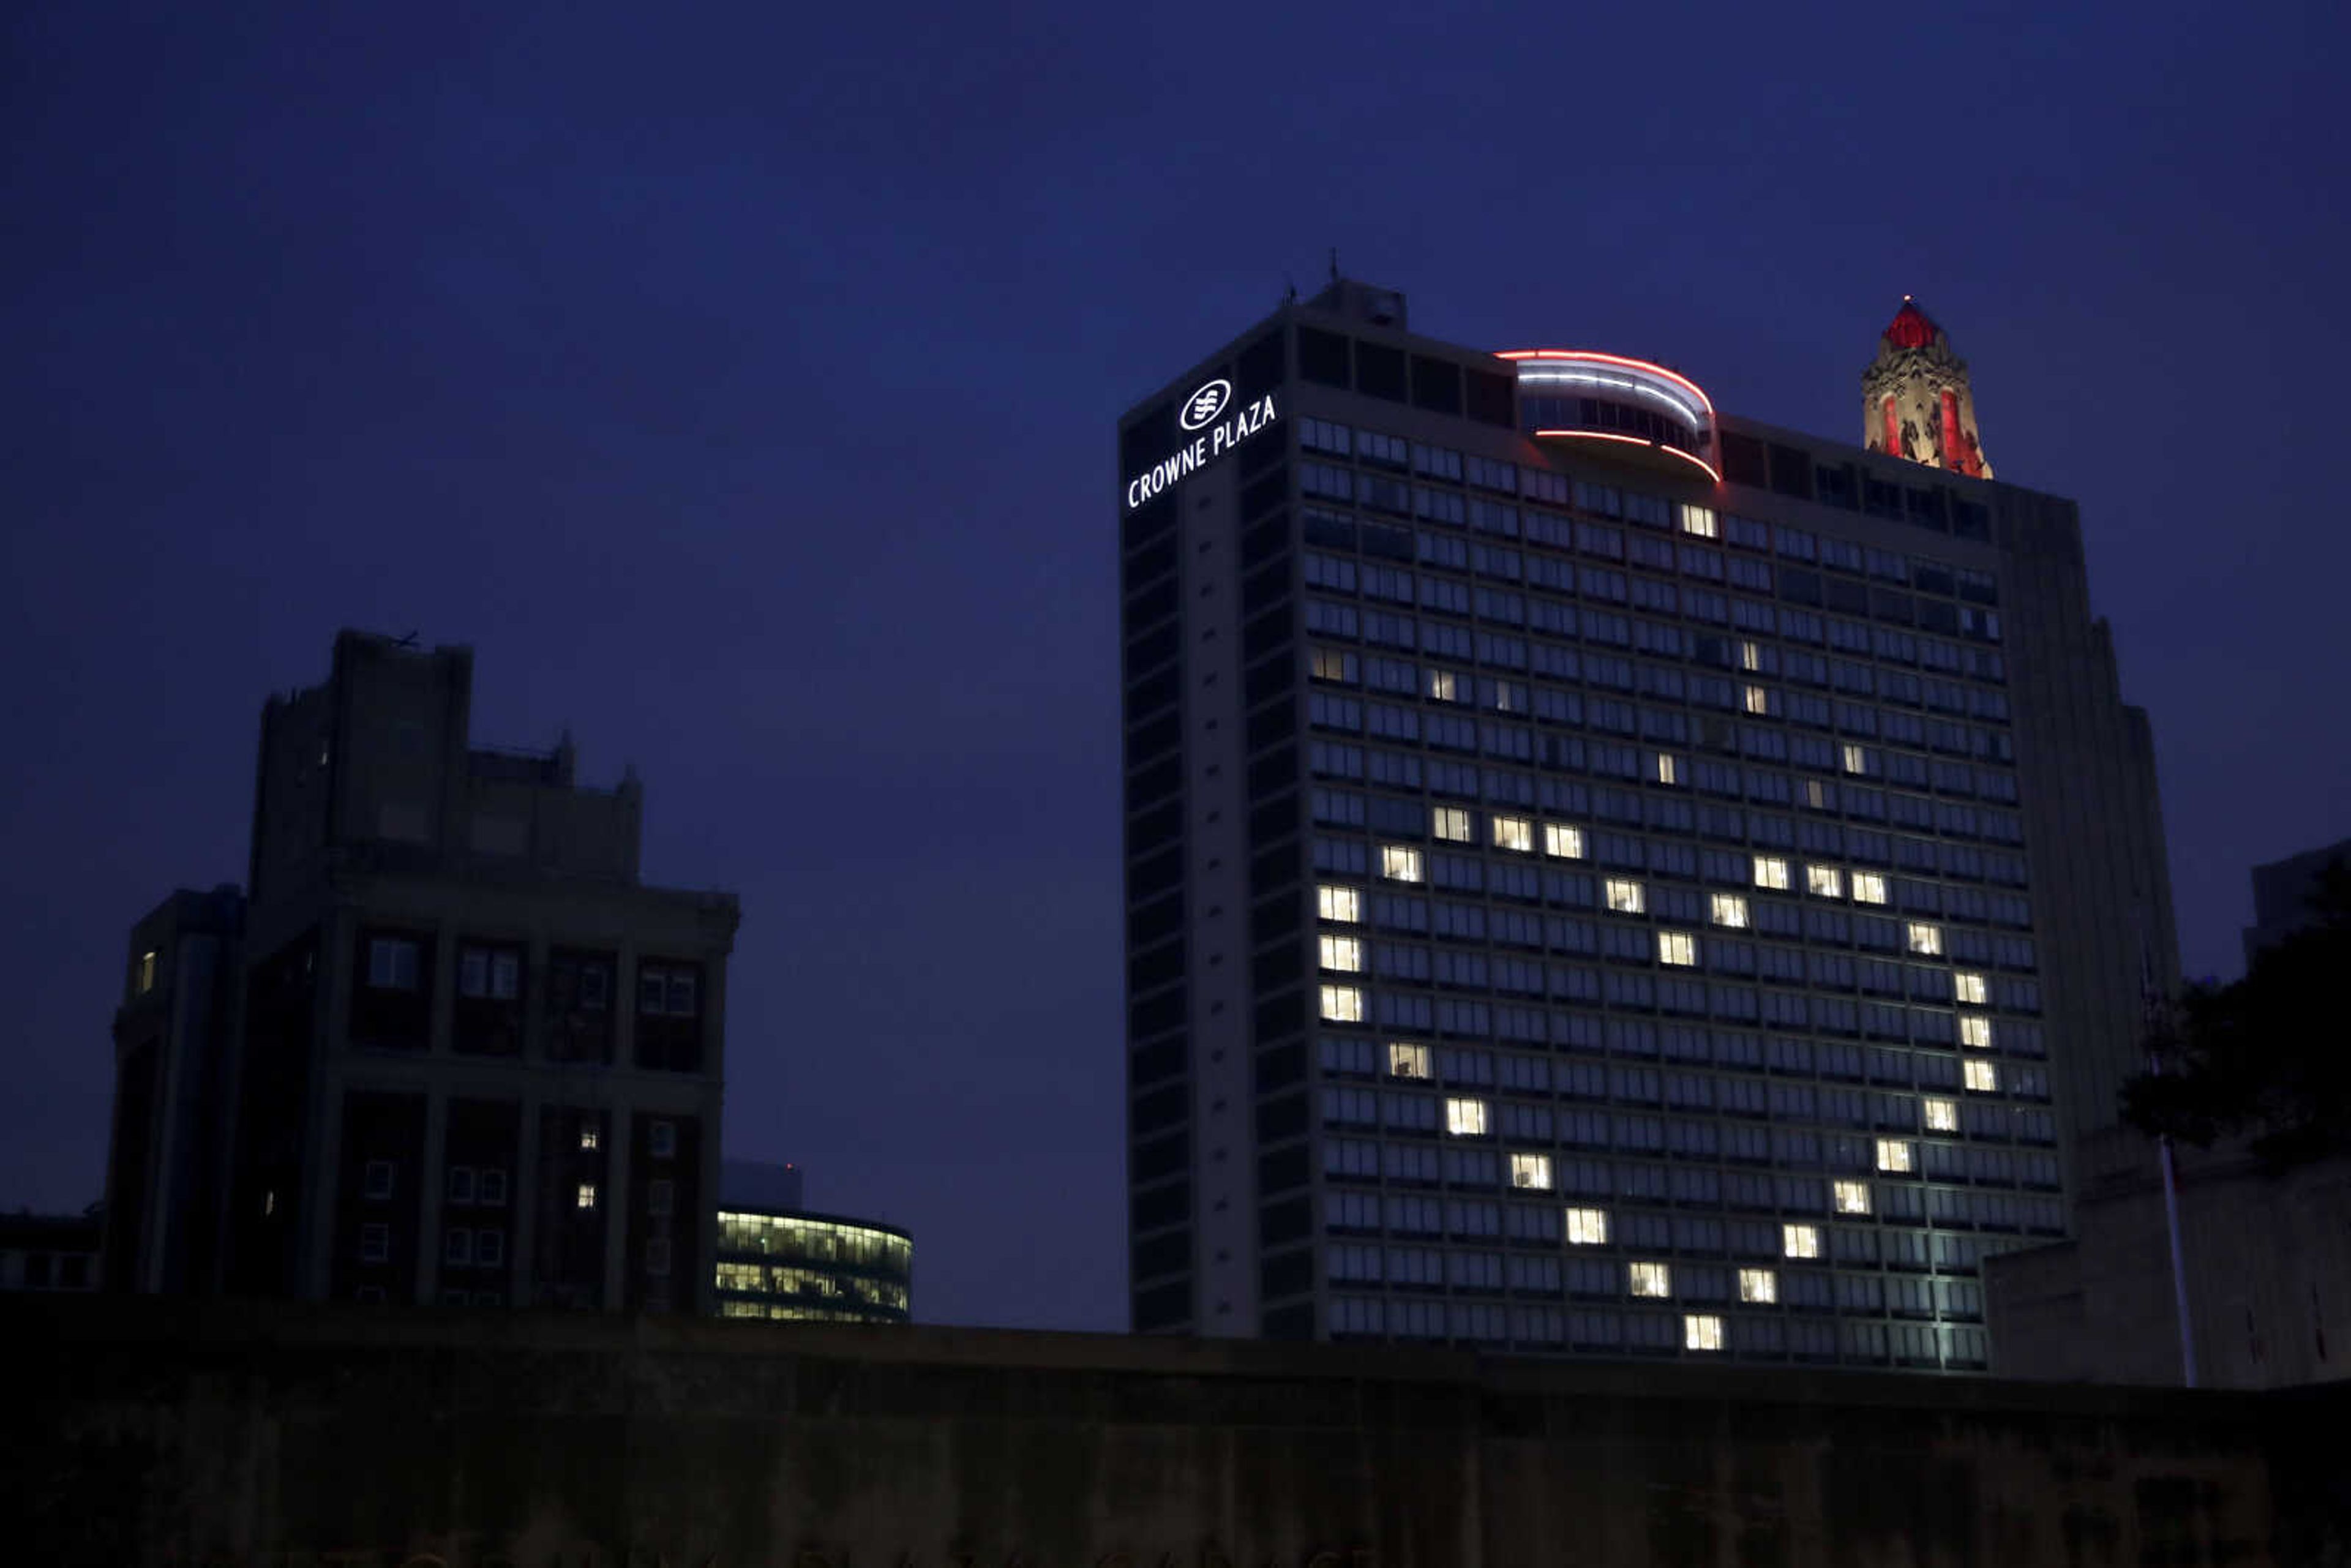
pixel 741 383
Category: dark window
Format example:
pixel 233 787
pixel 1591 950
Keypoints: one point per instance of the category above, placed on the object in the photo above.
pixel 1322 357
pixel 579 1006
pixel 1491 398
pixel 669 1015
pixel 1260 368
pixel 1379 371
pixel 1743 461
pixel 1436 385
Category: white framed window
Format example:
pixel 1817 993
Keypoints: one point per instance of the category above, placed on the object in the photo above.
pixel 461 1186
pixel 1969 987
pixel 668 990
pixel 1465 1117
pixel 393 963
pixel 1800 1240
pixel 1981 1077
pixel 491 1192
pixel 1514 833
pixel 1975 1032
pixel 1760 1286
pixel 1344 954
pixel 488 973
pixel 1530 1171
pixel 1823 882
pixel 1562 843
pixel 1925 938
pixel 1727 910
pixel 1669 768
pixel 1341 905
pixel 1400 862
pixel 1342 1004
pixel 1450 823
pixel 1750 657
pixel 1856 759
pixel 1893 1155
pixel 660 1140
pixel 1758 700
pixel 1868 887
pixel 375 1243
pixel 1676 948
pixel 490 1252
pixel 589 1136
pixel 1699 522
pixel 1624 895
pixel 1772 872
pixel 1406 1059
pixel 1587 1226
pixel 1850 1197
pixel 660 1198
pixel 375 1179
pixel 586 1197
pixel 457 1247
pixel 1941 1115
pixel 1701 1330
pixel 1650 1278
pixel 1442 686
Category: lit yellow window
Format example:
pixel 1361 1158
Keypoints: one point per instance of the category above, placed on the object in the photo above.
pixel 1651 1279
pixel 1698 521
pixel 1771 871
pixel 1400 862
pixel 1531 1171
pixel 1331 664
pixel 1857 760
pixel 1758 699
pixel 146 981
pixel 1824 881
pixel 1729 909
pixel 1676 948
pixel 1407 1061
pixel 1750 657
pixel 1925 938
pixel 588 1135
pixel 1759 1285
pixel 1562 843
pixel 1587 1227
pixel 1868 887
pixel 586 1197
pixel 1800 1240
pixel 1850 1197
pixel 1345 953
pixel 1444 686
pixel 1342 1004
pixel 1464 1118
pixel 1975 1032
pixel 1343 904
pixel 1624 895
pixel 1982 1077
pixel 1942 1115
pixel 1514 833
pixel 1970 988
pixel 1892 1154
pixel 1452 824
pixel 1669 769
pixel 1701 1330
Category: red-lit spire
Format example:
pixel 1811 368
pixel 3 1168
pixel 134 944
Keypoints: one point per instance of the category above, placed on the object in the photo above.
pixel 1911 327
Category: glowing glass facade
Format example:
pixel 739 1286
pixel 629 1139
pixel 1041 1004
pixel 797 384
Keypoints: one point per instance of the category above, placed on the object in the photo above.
pixel 814 1266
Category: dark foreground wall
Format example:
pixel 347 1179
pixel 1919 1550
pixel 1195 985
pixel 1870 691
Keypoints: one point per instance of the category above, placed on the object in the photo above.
pixel 141 1432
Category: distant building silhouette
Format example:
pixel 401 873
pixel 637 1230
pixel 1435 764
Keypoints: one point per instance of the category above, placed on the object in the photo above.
pixel 50 1251
pixel 2283 890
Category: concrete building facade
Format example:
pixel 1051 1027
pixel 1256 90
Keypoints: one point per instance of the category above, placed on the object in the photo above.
pixel 1604 876
pixel 481 1061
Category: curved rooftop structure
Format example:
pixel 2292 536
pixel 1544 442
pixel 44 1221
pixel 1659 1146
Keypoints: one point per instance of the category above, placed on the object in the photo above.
pixel 1582 395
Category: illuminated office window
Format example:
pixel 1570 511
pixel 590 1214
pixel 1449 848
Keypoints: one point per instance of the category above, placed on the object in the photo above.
pixel 1750 657
pixel 1676 948
pixel 1343 904
pixel 1970 988
pixel 1624 895
pixel 1331 664
pixel 1514 833
pixel 1651 1279
pixel 1772 872
pixel 1926 938
pixel 1407 1061
pixel 1824 881
pixel 1701 1330
pixel 1760 1286
pixel 1800 1240
pixel 1698 521
pixel 1443 687
pixel 1531 1171
pixel 1344 954
pixel 1562 843
pixel 1729 909
pixel 1855 759
pixel 1814 794
pixel 1587 1227
pixel 1892 1154
pixel 1669 769
pixel 1975 1032
pixel 1400 862
pixel 1982 1077
pixel 146 980
pixel 1758 699
pixel 1868 887
pixel 1464 1118
pixel 1342 1004
pixel 586 1197
pixel 1851 1197
pixel 588 1137
pixel 1942 1115
pixel 1452 823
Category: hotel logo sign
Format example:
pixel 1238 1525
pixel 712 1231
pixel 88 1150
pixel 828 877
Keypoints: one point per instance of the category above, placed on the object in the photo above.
pixel 1208 417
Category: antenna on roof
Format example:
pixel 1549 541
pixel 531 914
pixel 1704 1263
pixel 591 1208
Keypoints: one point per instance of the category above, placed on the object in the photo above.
pixel 407 641
pixel 1289 289
pixel 1334 263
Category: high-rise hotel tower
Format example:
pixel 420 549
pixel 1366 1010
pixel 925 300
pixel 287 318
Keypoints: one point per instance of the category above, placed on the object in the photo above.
pixel 1605 876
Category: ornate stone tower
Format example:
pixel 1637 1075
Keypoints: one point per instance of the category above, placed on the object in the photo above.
pixel 1914 401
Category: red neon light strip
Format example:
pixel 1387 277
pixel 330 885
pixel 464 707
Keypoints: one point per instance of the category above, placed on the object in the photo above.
pixel 1700 463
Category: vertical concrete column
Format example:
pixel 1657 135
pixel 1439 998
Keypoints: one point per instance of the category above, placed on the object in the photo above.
pixel 616 1228
pixel 523 1189
pixel 314 1248
pixel 624 1004
pixel 534 997
pixel 428 1205
pixel 445 989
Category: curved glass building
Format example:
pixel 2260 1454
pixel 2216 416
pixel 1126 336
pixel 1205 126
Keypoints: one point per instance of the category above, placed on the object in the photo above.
pixel 776 1259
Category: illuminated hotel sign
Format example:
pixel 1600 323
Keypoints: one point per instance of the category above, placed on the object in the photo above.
pixel 1204 413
